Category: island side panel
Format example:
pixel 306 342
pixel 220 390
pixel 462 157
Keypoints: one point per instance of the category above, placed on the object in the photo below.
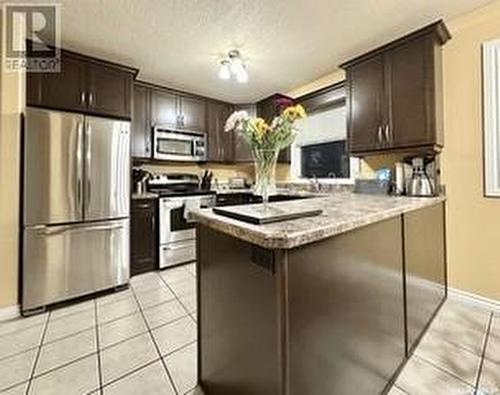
pixel 425 268
pixel 240 317
pixel 346 312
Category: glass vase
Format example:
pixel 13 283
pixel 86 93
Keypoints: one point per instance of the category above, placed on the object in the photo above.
pixel 265 172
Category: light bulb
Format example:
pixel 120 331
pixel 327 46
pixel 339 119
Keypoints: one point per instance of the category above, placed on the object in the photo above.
pixel 224 71
pixel 242 75
pixel 236 65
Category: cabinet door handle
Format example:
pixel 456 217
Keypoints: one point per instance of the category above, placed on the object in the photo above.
pixel 387 133
pixel 82 98
pixel 379 135
pixel 91 99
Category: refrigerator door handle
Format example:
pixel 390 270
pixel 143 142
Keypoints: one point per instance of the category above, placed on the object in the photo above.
pixel 79 167
pixel 88 158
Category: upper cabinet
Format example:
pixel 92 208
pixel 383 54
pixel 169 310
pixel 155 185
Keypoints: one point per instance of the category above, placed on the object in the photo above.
pixel 141 134
pixel 64 90
pixel 220 143
pixel 394 95
pixel 86 85
pixel 192 113
pixel 164 107
pixel 366 112
pixel 269 108
pixel 156 105
pixel 109 90
pixel 178 111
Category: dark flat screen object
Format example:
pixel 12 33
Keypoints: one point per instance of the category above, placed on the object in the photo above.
pixel 259 216
pixel 325 160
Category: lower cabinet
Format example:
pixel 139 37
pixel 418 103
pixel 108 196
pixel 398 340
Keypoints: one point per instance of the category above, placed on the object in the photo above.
pixel 322 318
pixel 143 236
pixel 425 269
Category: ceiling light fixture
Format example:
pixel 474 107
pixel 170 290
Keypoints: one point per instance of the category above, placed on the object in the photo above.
pixel 225 70
pixel 233 65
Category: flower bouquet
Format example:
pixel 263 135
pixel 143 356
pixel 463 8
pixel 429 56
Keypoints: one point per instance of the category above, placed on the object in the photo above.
pixel 266 141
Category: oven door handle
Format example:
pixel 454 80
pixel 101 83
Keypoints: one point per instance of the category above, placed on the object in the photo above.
pixel 177 247
pixel 172 205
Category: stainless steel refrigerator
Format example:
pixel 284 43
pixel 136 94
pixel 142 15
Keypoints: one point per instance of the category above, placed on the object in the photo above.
pixel 76 197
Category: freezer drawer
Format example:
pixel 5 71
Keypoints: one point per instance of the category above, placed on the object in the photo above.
pixel 176 253
pixel 63 262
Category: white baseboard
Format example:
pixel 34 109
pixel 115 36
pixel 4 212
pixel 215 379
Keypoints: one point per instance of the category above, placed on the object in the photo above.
pixel 10 312
pixel 473 299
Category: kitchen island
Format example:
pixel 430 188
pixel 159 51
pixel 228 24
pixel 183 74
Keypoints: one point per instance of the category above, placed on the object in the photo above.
pixel 331 304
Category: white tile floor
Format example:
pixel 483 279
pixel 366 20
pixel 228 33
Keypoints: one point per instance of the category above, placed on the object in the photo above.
pixel 143 341
pixel 138 341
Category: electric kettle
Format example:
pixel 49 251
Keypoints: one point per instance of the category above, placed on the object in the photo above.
pixel 420 184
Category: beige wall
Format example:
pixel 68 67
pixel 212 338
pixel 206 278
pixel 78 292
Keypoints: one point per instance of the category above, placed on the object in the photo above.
pixel 473 220
pixel 11 102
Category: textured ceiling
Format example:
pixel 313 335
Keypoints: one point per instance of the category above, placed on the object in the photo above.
pixel 285 43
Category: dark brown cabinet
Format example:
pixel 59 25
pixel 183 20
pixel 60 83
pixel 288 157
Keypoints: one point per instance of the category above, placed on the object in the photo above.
pixel 109 91
pixel 178 111
pixel 63 91
pixel 86 85
pixel 192 113
pixel 143 236
pixel 156 105
pixel 164 109
pixel 394 95
pixel 268 109
pixel 366 88
pixel 141 134
pixel 413 78
pixel 220 143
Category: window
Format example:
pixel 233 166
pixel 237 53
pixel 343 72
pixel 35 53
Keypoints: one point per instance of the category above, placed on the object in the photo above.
pixel 320 148
pixel 491 108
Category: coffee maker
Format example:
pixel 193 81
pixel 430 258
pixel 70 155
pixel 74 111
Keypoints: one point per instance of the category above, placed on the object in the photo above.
pixel 417 176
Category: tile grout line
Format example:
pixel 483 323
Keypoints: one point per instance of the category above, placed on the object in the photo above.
pixel 155 344
pixel 137 369
pixel 38 352
pixel 443 370
pixel 99 362
pixel 483 353
pixel 177 297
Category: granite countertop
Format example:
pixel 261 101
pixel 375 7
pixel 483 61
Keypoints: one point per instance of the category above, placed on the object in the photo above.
pixel 342 212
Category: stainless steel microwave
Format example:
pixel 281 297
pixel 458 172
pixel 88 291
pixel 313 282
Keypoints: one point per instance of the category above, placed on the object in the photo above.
pixel 179 145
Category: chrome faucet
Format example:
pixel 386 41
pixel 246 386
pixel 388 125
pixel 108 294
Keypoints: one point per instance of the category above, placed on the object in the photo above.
pixel 315 185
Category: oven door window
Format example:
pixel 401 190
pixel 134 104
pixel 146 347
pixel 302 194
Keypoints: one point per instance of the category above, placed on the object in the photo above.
pixel 175 147
pixel 178 222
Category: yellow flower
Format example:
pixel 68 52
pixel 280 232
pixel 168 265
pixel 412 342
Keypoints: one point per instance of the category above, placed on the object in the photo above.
pixel 301 112
pixel 261 127
pixel 293 113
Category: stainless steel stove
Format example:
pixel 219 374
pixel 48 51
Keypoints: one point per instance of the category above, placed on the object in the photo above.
pixel 179 193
